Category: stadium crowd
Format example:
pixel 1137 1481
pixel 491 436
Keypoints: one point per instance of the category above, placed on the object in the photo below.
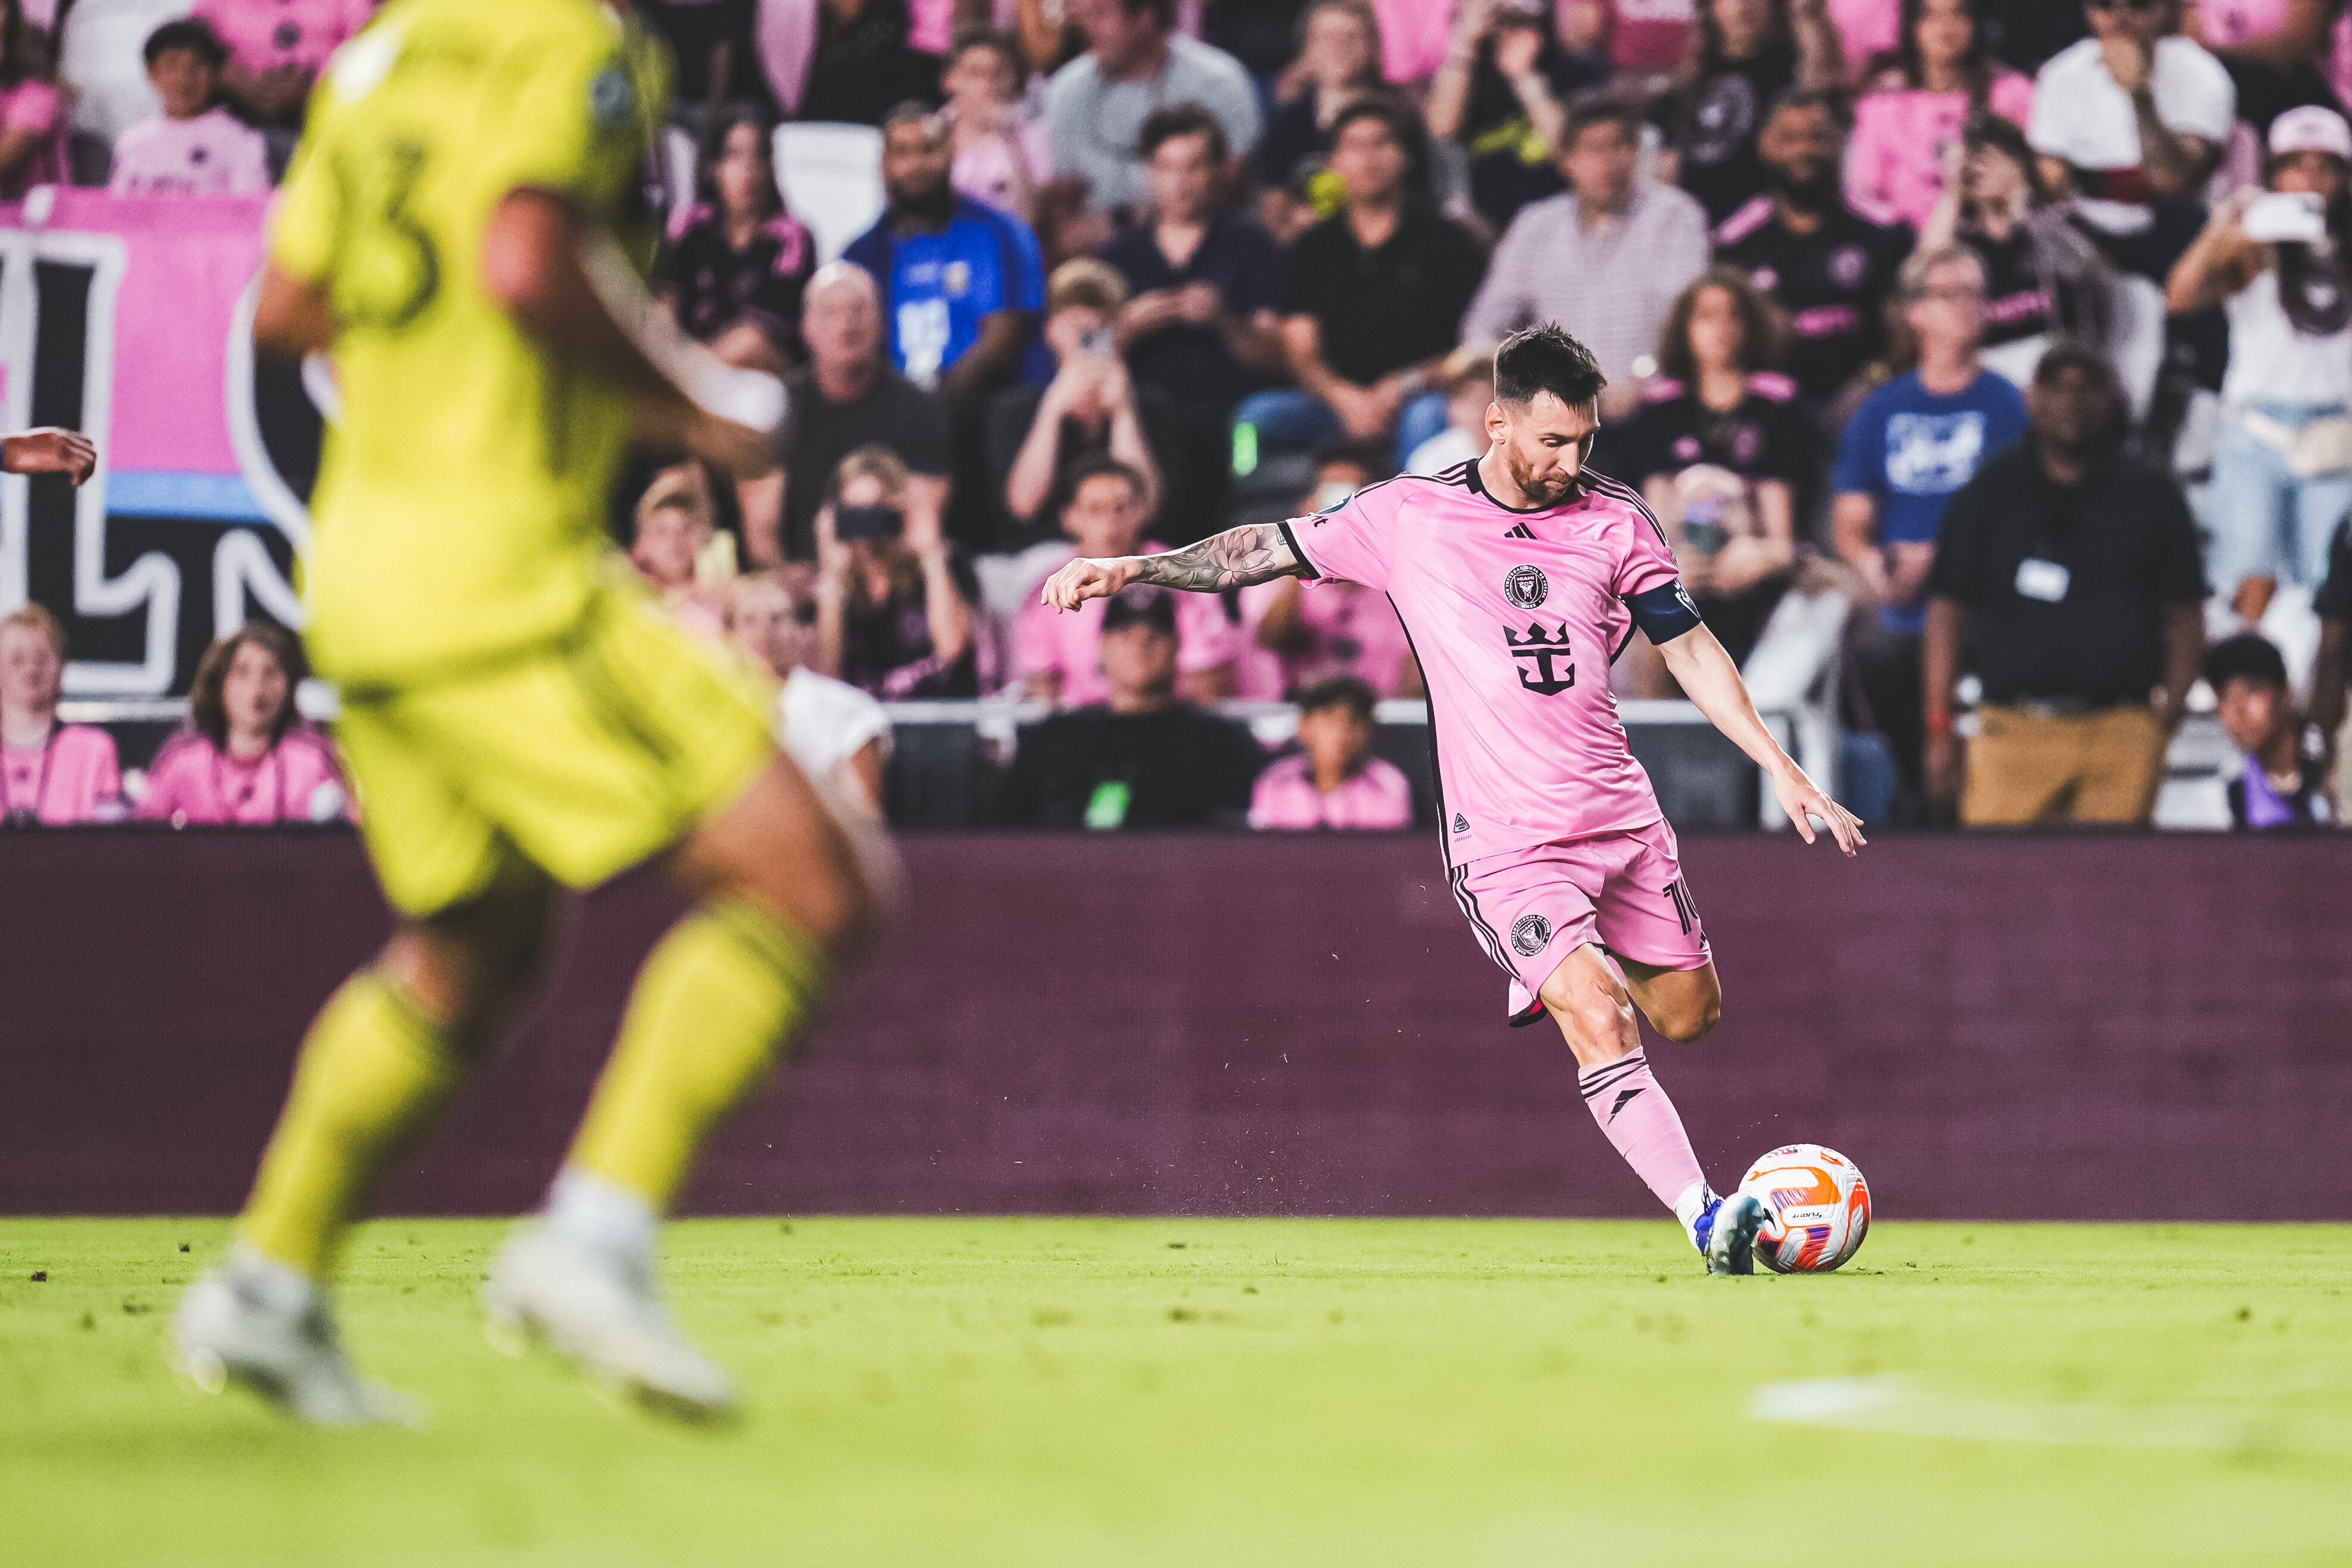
pixel 1984 362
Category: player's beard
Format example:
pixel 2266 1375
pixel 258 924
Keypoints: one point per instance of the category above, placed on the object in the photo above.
pixel 1547 491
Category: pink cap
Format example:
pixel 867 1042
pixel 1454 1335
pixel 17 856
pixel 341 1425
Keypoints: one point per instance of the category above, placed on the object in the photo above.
pixel 2311 128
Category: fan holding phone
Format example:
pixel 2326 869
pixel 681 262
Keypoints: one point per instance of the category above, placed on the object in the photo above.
pixel 2276 260
pixel 891 617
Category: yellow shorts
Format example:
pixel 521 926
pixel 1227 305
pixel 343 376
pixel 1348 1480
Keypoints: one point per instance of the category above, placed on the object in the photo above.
pixel 583 756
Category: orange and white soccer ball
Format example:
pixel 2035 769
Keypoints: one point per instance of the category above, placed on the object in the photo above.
pixel 1817 1208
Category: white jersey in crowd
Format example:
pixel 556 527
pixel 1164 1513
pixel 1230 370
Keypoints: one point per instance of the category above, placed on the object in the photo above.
pixel 2081 116
pixel 2274 359
pixel 824 722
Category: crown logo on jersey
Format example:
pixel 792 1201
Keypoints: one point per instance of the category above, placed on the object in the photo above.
pixel 1536 652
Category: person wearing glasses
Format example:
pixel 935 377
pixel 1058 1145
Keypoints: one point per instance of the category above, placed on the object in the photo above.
pixel 1907 450
pixel 2132 119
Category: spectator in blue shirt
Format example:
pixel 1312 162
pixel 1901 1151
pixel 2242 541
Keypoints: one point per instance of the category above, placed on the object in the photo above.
pixel 1907 450
pixel 961 282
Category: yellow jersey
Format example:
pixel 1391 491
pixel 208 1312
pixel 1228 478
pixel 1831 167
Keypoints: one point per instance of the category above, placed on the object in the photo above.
pixel 460 508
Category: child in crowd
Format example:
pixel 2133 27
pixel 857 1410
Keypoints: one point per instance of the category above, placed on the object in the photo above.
pixel 674 531
pixel 2278 785
pixel 246 760
pixel 1333 780
pixel 193 147
pixel 51 774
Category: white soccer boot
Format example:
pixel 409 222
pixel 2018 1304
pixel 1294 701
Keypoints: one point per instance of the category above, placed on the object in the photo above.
pixel 265 1327
pixel 602 1313
pixel 1725 1233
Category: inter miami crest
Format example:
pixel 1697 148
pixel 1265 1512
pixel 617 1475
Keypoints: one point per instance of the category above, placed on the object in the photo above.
pixel 1543 659
pixel 1529 935
pixel 1526 586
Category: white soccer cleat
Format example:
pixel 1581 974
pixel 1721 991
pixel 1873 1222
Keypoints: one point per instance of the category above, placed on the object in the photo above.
pixel 603 1315
pixel 1726 1233
pixel 229 1330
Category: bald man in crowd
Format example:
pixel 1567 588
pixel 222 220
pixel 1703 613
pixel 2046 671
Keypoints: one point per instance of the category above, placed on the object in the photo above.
pixel 851 396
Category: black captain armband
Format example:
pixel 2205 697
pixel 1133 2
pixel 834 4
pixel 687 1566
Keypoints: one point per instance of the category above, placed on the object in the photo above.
pixel 1665 612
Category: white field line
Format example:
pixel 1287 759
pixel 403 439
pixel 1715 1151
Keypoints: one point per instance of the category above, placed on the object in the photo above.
pixel 1890 1402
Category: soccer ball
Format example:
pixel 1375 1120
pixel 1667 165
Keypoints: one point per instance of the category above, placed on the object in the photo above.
pixel 1817 1208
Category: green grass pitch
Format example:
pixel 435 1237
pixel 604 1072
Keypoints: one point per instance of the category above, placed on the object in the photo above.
pixel 1042 1392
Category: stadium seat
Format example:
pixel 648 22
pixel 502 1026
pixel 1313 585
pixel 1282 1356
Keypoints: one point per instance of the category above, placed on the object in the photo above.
pixel 102 58
pixel 679 157
pixel 831 176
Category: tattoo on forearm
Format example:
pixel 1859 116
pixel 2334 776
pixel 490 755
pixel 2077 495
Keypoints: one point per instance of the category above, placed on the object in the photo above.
pixel 1234 559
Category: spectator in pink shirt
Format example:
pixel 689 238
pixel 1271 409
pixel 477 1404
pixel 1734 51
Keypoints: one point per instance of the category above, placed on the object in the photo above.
pixel 275 48
pixel 32 116
pixel 1902 127
pixel 193 147
pixel 51 774
pixel 245 760
pixel 1059 656
pixel 1002 156
pixel 1333 780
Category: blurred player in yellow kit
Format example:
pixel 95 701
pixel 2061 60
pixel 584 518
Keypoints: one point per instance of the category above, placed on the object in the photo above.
pixel 463 232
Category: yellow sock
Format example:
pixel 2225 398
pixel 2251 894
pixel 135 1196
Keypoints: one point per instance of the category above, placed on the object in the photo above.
pixel 714 1003
pixel 372 1073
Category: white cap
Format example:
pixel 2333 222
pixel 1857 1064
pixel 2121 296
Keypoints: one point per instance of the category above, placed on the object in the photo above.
pixel 2311 128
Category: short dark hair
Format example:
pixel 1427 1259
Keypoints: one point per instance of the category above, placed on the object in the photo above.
pixel 1338 690
pixel 1376 458
pixel 972 36
pixel 2073 354
pixel 912 111
pixel 1182 120
pixel 1808 98
pixel 1097 466
pixel 1386 108
pixel 1544 359
pixel 2247 657
pixel 1600 106
pixel 193 33
pixel 208 715
pixel 1161 11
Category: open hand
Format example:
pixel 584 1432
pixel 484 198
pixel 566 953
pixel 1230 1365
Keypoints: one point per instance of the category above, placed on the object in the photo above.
pixel 1803 801
pixel 49 450
pixel 1081 580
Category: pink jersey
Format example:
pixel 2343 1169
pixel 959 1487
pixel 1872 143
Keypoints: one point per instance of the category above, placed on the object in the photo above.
pixel 193 781
pixel 71 779
pixel 1517 617
pixel 1894 161
pixel 34 105
pixel 209 155
pixel 1285 799
pixel 1047 641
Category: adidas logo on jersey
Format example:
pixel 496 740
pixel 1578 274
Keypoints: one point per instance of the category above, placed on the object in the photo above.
pixel 1520 531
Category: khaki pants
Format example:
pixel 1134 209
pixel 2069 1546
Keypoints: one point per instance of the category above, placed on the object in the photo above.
pixel 2101 767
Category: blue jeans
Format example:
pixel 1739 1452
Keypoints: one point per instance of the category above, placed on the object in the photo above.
pixel 1287 420
pixel 2265 517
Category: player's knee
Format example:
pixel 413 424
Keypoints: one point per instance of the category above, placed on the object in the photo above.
pixel 1593 1012
pixel 1690 1018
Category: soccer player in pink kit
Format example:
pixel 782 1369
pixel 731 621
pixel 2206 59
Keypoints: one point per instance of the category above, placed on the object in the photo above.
pixel 1518 578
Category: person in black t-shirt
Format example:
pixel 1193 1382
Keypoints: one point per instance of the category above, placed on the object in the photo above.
pixel 1142 760
pixel 1371 300
pixel 1750 52
pixel 863 67
pixel 1724 455
pixel 847 398
pixel 2075 566
pixel 1829 268
pixel 2333 605
pixel 734 275
pixel 1339 59
pixel 1502 95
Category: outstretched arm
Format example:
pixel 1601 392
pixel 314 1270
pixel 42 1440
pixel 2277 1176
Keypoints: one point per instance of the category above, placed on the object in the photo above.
pixel 1712 682
pixel 1234 559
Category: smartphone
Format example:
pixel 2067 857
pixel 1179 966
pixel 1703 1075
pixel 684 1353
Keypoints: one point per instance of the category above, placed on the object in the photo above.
pixel 867 523
pixel 2286 217
pixel 1099 341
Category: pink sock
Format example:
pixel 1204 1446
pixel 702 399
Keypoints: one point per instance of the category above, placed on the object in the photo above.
pixel 1641 1121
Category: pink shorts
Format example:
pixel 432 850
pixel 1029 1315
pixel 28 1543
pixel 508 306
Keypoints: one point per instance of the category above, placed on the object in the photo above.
pixel 1533 907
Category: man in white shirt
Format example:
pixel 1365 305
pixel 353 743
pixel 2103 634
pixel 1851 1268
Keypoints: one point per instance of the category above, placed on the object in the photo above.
pixel 1136 62
pixel 2131 117
pixel 839 736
